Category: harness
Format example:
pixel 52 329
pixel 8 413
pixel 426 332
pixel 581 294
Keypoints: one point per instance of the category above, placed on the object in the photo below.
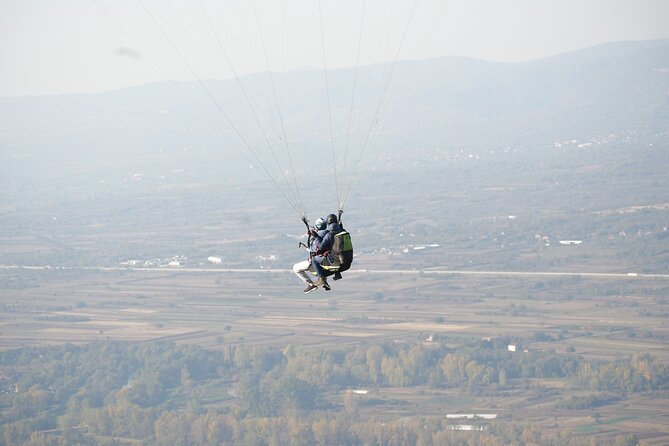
pixel 340 255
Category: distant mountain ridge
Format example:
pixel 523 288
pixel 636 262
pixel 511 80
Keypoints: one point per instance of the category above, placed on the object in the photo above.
pixel 613 83
pixel 452 101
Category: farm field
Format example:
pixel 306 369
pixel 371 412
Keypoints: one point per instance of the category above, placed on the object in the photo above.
pixel 596 318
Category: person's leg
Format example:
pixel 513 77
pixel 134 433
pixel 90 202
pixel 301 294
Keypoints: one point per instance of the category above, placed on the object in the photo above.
pixel 316 263
pixel 302 270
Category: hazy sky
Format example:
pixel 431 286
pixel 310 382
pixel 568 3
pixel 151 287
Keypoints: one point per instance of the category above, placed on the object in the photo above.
pixel 64 46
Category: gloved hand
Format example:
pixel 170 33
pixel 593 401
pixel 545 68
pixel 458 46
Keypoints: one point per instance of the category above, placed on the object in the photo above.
pixel 313 232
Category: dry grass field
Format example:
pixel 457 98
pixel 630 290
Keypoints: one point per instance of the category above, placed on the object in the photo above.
pixel 605 318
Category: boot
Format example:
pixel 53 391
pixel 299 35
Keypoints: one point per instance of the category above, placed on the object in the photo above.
pixel 324 283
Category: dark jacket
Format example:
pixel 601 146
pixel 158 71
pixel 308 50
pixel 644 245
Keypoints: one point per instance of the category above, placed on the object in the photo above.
pixel 323 243
pixel 316 240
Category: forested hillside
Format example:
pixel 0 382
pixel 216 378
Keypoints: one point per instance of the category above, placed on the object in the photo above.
pixel 164 394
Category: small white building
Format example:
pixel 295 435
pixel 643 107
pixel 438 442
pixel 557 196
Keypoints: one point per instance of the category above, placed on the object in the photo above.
pixel 571 242
pixel 465 427
pixel 215 260
pixel 511 347
pixel 360 391
pixel 469 416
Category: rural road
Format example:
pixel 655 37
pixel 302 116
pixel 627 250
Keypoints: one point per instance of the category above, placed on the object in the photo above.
pixel 433 271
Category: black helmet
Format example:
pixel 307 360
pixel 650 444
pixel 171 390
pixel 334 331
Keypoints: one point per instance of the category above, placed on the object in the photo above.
pixel 332 218
pixel 319 224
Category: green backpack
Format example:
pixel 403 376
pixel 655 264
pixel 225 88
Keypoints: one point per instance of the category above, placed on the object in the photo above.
pixel 342 252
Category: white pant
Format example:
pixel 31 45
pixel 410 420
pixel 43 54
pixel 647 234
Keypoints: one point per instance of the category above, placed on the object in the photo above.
pixel 304 270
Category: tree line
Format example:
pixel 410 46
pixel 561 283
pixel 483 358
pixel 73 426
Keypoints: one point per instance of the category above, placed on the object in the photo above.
pixel 163 393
